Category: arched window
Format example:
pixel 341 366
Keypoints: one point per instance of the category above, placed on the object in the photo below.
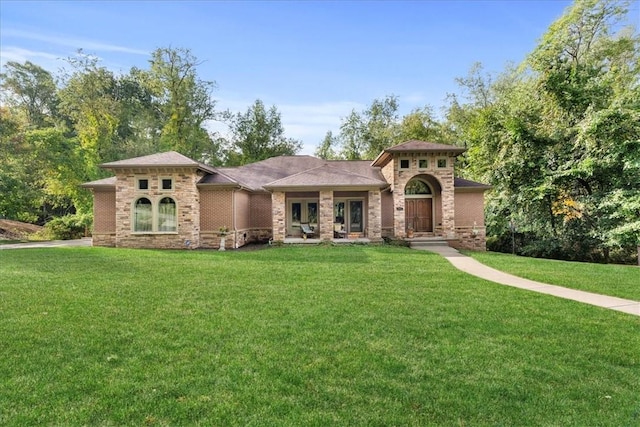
pixel 415 187
pixel 167 215
pixel 142 215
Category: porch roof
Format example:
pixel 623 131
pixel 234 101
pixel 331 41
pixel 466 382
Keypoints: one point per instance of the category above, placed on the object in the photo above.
pixel 327 176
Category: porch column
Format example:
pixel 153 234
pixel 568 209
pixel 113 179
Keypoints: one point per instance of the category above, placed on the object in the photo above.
pixel 448 206
pixel 374 223
pixel 279 215
pixel 325 221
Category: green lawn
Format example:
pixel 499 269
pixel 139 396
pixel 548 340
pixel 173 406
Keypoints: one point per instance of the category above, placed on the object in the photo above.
pixel 359 335
pixel 616 280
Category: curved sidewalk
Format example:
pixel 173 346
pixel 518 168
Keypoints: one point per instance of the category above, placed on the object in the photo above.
pixel 475 268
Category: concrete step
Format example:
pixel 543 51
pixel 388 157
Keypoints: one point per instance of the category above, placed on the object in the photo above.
pixel 421 242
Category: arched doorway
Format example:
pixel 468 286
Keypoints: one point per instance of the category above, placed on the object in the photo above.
pixel 418 206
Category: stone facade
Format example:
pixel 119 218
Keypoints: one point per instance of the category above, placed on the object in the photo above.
pixel 279 215
pixel 326 215
pixel 426 165
pixel 374 229
pixel 352 193
pixel 184 193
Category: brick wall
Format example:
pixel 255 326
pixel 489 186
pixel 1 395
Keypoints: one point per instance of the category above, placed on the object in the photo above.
pixel 215 209
pixel 469 209
pixel 104 218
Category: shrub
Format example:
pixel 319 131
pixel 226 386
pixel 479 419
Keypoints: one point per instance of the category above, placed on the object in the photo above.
pixel 67 227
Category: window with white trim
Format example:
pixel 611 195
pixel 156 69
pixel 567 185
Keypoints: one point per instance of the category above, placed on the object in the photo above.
pixel 423 163
pixel 167 215
pixel 442 163
pixel 405 164
pixel 166 184
pixel 160 217
pixel 142 184
pixel 143 215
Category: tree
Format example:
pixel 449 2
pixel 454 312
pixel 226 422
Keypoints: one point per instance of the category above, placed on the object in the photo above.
pixel 183 101
pixel 257 135
pixel 32 90
pixel 558 136
pixel 325 150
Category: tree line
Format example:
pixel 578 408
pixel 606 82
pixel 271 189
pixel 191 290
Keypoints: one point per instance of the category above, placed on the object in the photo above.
pixel 557 136
pixel 56 129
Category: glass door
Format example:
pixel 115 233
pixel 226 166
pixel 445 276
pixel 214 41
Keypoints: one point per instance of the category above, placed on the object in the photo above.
pixel 355 216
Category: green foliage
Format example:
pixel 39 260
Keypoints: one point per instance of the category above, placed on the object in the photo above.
pixel 67 227
pixel 31 90
pixel 559 137
pixel 257 135
pixel 326 149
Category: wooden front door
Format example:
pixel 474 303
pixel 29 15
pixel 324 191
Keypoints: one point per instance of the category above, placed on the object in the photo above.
pixel 418 214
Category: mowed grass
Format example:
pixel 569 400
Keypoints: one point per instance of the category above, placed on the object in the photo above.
pixel 359 335
pixel 608 279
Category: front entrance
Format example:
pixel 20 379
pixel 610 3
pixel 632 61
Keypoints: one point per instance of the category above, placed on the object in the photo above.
pixel 419 215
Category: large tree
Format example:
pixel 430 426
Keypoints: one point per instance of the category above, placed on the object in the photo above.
pixel 559 136
pixel 31 90
pixel 184 102
pixel 257 135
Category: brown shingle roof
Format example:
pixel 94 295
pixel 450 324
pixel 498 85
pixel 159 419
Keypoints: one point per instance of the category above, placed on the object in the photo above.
pixel 104 183
pixel 461 183
pixel 166 159
pixel 327 175
pixel 415 146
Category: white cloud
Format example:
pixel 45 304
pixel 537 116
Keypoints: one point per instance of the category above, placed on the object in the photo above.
pixel 75 43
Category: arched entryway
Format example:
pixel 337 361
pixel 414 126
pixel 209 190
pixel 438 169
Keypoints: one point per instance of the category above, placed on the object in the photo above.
pixel 418 206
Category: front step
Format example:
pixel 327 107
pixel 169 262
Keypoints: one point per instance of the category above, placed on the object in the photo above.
pixel 423 242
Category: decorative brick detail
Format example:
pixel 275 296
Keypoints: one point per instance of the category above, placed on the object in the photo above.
pixel 326 215
pixel 279 215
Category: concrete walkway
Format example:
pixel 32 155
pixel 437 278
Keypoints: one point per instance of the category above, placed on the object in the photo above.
pixel 48 244
pixel 475 268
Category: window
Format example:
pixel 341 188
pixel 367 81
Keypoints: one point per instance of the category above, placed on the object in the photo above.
pixel 167 215
pixel 404 163
pixel 423 163
pixel 442 163
pixel 142 215
pixel 415 186
pixel 149 217
pixel 143 184
pixel 166 184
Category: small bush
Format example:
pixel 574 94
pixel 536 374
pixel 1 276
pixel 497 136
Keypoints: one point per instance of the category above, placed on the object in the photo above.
pixel 67 227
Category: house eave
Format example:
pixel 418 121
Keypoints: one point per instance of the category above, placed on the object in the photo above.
pixel 291 188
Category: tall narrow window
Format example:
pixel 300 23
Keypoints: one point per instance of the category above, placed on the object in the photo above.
pixel 142 215
pixel 167 218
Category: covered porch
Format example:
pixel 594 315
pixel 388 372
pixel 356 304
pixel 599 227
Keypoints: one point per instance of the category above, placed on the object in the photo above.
pixel 330 203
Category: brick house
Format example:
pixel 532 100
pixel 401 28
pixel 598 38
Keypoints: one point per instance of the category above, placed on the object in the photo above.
pixel 168 200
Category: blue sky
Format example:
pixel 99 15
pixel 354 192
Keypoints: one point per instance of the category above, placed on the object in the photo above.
pixel 316 61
